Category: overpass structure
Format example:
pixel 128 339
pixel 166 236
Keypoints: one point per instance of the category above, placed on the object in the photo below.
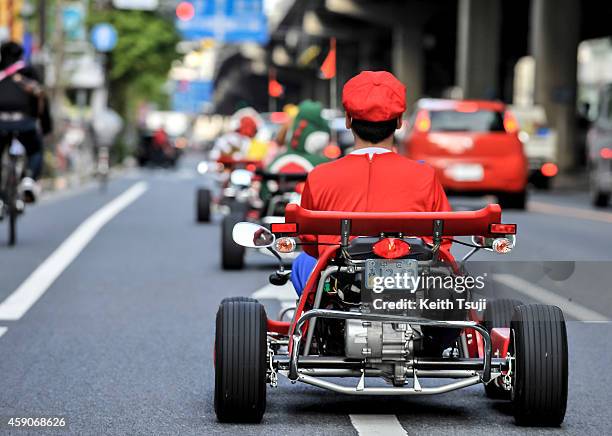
pixel 460 48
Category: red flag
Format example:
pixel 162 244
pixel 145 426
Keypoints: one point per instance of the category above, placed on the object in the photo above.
pixel 275 89
pixel 328 69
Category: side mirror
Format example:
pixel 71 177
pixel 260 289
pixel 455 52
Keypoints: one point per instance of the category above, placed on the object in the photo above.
pixel 241 178
pixel 252 235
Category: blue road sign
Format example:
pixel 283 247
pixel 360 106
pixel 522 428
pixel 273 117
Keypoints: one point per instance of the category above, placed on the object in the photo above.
pixel 191 96
pixel 226 21
pixel 104 37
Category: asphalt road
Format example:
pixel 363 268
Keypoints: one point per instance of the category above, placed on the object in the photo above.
pixel 120 342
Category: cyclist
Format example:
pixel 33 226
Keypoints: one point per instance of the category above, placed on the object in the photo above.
pixel 24 113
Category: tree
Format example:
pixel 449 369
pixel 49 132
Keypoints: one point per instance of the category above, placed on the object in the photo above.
pixel 139 64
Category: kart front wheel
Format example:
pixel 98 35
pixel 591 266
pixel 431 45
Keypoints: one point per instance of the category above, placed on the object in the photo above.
pixel 498 314
pixel 539 386
pixel 232 254
pixel 240 362
pixel 203 200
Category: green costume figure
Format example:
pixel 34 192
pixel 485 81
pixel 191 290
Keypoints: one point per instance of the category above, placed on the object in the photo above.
pixel 310 136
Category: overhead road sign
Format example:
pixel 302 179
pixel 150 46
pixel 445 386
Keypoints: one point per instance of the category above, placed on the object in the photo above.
pixel 230 21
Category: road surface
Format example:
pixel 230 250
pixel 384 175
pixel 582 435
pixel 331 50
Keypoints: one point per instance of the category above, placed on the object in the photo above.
pixel 107 309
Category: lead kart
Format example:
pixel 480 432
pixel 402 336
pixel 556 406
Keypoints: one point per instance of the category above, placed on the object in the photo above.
pixel 345 326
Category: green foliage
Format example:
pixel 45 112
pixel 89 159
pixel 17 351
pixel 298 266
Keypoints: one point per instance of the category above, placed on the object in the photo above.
pixel 140 62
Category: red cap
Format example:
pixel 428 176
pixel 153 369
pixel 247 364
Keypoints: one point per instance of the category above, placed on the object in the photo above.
pixel 374 96
pixel 247 127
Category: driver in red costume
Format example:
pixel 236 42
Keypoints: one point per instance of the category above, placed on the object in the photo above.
pixel 373 178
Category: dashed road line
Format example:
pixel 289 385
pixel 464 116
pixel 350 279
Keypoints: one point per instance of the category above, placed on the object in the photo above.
pixel 568 211
pixel 376 425
pixel 3 330
pixel 539 293
pixel 26 295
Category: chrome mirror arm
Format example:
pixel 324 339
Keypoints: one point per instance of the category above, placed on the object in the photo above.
pixel 470 254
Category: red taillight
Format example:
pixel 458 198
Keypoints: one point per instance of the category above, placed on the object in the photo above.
pixel 510 123
pixel 422 122
pixel 391 248
pixel 502 229
pixel 549 169
pixel 606 153
pixel 251 167
pixel 284 228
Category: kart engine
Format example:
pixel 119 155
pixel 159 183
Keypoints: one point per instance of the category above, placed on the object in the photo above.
pixel 389 346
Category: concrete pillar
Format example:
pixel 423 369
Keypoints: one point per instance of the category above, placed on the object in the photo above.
pixel 478 36
pixel 407 59
pixel 555 34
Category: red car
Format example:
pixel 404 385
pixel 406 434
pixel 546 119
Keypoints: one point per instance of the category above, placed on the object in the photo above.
pixel 474 147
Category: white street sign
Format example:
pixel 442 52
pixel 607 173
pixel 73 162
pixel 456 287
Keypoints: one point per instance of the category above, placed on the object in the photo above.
pixel 143 5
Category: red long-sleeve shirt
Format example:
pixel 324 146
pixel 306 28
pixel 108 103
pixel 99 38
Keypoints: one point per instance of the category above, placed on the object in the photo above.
pixel 386 182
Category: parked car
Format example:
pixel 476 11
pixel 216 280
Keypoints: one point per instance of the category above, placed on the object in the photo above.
pixel 474 147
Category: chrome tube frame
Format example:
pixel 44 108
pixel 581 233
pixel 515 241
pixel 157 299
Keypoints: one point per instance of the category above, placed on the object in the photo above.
pixel 296 338
pixel 319 295
pixel 404 391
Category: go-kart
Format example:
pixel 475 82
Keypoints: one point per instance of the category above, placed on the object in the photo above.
pixel 282 189
pixel 345 327
pixel 234 178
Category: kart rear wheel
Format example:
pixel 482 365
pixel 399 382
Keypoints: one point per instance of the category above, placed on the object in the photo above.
pixel 539 385
pixel 203 200
pixel 232 254
pixel 498 314
pixel 601 199
pixel 234 299
pixel 240 362
pixel 513 200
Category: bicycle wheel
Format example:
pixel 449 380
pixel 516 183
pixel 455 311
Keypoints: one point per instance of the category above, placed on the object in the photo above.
pixel 11 202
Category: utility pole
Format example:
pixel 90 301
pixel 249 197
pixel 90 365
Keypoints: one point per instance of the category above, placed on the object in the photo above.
pixel 42 23
pixel 57 59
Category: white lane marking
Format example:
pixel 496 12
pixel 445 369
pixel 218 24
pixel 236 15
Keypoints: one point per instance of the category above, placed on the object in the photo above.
pixel 3 330
pixel 571 212
pixel 284 294
pixel 24 297
pixel 375 425
pixel 524 287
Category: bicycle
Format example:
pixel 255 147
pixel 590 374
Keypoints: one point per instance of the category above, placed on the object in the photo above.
pixel 11 204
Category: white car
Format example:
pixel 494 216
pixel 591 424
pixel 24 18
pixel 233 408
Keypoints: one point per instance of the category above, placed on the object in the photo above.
pixel 540 144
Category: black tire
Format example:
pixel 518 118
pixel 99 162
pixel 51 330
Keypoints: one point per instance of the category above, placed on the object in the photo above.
pixel 234 299
pixel 601 199
pixel 542 182
pixel 240 362
pixel 498 314
pixel 238 207
pixel 232 254
pixel 11 198
pixel 513 200
pixel 203 200
pixel 539 339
